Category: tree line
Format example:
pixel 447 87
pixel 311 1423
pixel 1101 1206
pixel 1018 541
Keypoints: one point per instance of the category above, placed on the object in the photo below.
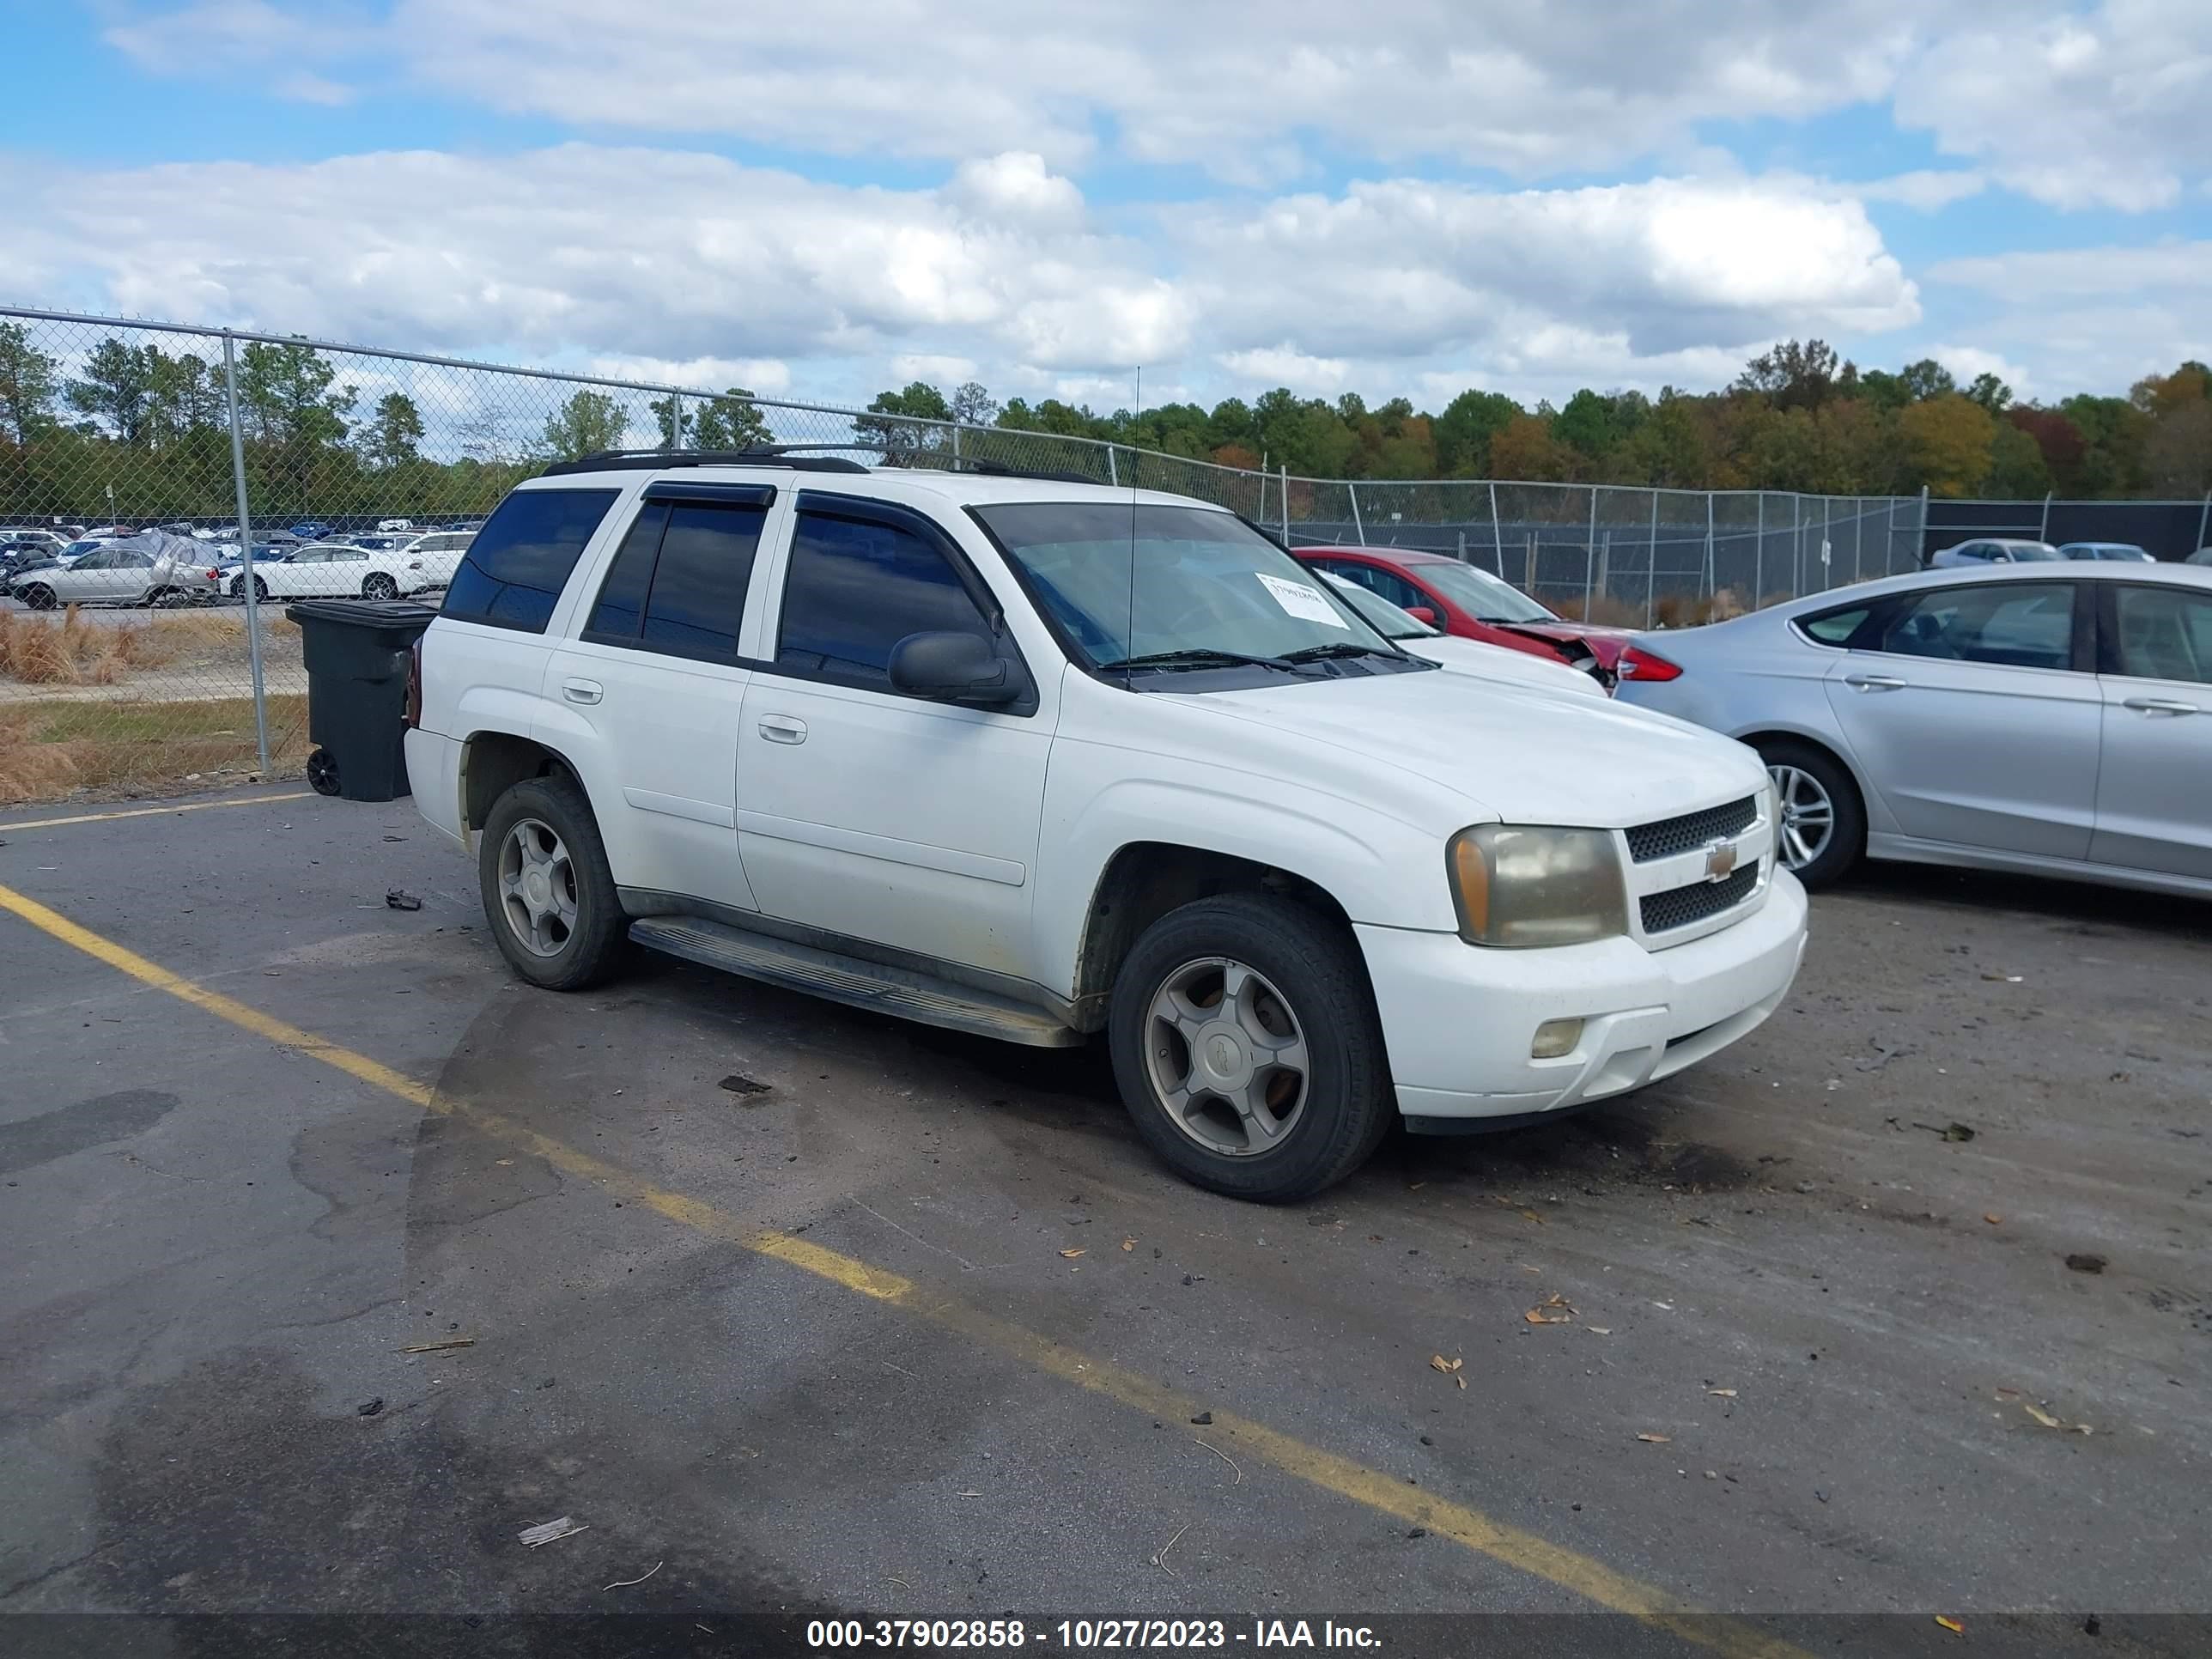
pixel 154 425
pixel 1799 417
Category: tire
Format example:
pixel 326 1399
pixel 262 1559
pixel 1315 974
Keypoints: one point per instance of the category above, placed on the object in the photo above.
pixel 1814 776
pixel 322 772
pixel 38 596
pixel 1311 981
pixel 594 938
pixel 378 586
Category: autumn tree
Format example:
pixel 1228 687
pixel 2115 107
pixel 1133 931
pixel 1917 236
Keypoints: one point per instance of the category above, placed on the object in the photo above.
pixel 1524 450
pixel 1464 431
pixel 1946 443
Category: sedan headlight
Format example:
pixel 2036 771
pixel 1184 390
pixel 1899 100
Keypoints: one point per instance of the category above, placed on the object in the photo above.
pixel 1520 887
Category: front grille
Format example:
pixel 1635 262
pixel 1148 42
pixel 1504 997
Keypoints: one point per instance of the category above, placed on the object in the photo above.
pixel 1664 839
pixel 1679 907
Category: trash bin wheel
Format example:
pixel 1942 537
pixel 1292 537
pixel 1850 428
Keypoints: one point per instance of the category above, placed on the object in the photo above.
pixel 322 772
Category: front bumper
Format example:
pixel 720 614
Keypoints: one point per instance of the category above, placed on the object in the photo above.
pixel 1458 1019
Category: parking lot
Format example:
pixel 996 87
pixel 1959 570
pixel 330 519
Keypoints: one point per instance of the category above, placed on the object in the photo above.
pixel 1900 1308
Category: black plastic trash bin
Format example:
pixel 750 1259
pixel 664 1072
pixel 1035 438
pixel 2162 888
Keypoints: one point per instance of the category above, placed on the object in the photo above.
pixel 357 653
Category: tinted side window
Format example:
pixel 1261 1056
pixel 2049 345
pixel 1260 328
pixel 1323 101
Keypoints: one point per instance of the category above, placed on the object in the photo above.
pixel 853 591
pixel 1835 627
pixel 699 583
pixel 2017 625
pixel 2164 634
pixel 521 559
pixel 620 604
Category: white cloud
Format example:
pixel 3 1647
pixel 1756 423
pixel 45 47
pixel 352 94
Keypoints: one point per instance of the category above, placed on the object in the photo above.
pixel 1284 365
pixel 763 376
pixel 2082 273
pixel 1927 189
pixel 1968 363
pixel 2095 319
pixel 938 370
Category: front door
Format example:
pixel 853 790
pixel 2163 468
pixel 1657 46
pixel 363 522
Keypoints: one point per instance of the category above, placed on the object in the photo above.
pixel 1976 719
pixel 2154 787
pixel 866 812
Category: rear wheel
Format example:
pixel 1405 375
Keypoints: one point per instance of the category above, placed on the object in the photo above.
pixel 38 596
pixel 1822 830
pixel 378 586
pixel 1248 1050
pixel 547 890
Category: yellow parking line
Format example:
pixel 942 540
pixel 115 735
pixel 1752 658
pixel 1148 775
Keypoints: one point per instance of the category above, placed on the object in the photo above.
pixel 153 811
pixel 1383 1493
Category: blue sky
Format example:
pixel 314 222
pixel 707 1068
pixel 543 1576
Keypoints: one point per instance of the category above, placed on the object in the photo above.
pixel 1403 199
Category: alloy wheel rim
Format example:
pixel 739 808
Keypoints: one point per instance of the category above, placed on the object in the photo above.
pixel 538 887
pixel 1226 1057
pixel 1808 816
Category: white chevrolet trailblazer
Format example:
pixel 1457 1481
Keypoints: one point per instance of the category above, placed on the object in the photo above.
pixel 1037 758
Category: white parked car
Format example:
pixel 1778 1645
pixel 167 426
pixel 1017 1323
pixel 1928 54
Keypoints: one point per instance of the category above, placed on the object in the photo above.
pixel 386 525
pixel 1488 662
pixel 1993 549
pixel 440 552
pixel 335 570
pixel 1037 759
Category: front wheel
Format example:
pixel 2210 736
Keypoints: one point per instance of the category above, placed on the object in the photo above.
pixel 38 596
pixel 1822 829
pixel 1248 1050
pixel 547 890
pixel 380 587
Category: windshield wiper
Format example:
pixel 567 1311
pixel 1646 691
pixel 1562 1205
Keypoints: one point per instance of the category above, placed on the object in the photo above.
pixel 1200 657
pixel 1336 648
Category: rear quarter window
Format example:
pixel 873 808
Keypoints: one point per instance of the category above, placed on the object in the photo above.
pixel 521 560
pixel 1835 627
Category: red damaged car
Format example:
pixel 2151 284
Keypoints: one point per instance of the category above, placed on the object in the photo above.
pixel 1471 603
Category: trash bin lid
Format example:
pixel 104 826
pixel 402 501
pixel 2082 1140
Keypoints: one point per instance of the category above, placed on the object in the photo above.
pixel 363 613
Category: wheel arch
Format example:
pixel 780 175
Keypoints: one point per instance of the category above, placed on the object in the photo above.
pixel 1144 880
pixel 494 762
pixel 1767 737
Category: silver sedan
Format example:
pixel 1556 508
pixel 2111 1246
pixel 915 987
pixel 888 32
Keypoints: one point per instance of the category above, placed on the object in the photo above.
pixel 2053 719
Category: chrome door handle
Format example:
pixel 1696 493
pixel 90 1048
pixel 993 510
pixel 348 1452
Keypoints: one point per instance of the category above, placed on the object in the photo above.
pixel 582 690
pixel 782 728
pixel 2160 706
pixel 1874 681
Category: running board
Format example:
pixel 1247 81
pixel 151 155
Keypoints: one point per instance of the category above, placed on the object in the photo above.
pixel 852 981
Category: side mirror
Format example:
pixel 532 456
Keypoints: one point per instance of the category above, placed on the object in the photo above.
pixel 953 668
pixel 1422 613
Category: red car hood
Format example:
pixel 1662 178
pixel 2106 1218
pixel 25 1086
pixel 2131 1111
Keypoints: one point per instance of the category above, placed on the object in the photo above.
pixel 1605 643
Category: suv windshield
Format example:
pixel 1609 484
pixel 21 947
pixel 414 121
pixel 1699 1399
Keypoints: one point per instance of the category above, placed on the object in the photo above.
pixel 1138 585
pixel 1483 596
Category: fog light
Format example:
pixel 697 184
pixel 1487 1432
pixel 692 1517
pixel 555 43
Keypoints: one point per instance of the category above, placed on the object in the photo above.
pixel 1555 1037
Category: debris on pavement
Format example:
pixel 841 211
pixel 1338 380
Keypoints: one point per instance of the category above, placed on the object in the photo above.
pixel 1722 1394
pixel 1203 1419
pixel 2086 1261
pixel 1948 1131
pixel 1651 1439
pixel 2003 979
pixel 1554 1310
pixel 624 1583
pixel 1952 1625
pixel 1994 1219
pixel 369 1408
pixel 440 1346
pixel 1450 1367
pixel 546 1532
pixel 398 898
pixel 1599 1330
pixel 1072 1255
pixel 742 1085
pixel 1128 1244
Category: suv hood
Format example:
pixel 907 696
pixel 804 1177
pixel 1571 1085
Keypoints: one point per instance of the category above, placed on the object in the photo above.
pixel 1519 754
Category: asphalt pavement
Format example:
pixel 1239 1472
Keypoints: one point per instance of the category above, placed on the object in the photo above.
pixel 1899 1309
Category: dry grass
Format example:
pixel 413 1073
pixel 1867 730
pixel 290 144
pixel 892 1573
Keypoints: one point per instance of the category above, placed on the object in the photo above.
pixel 69 651
pixel 1688 609
pixel 1601 610
pixel 48 750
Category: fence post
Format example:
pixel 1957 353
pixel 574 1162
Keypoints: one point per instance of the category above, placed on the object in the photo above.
pixel 1589 554
pixel 1920 547
pixel 1710 578
pixel 1113 472
pixel 2043 531
pixel 1825 550
pixel 1528 579
pixel 245 553
pixel 676 399
pixel 1858 536
pixel 1651 564
pixel 956 449
pixel 1352 491
pixel 1796 543
pixel 1284 484
pixel 1758 559
pixel 2203 519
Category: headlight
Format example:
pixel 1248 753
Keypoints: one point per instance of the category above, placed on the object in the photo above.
pixel 1522 887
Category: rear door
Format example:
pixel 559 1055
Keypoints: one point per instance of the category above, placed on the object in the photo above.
pixel 2154 787
pixel 652 689
pixel 864 812
pixel 1975 715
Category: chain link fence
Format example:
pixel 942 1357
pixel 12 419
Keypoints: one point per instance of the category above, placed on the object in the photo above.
pixel 165 490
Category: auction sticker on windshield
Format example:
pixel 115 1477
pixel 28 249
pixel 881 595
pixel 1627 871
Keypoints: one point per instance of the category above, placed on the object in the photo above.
pixel 1302 601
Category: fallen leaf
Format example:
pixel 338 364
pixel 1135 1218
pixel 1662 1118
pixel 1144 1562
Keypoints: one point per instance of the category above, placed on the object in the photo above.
pixel 1951 1624
pixel 504 1162
pixel 440 1347
pixel 1993 1220
pixel 1439 1363
pixel 1128 1244
pixel 1530 1215
pixel 2040 1415
pixel 1656 1439
pixel 2007 1393
pixel 1461 1381
pixel 547 1532
pixel 2083 1428
pixel 1599 1330
pixel 1072 1255
pixel 1722 1394
pixel 1553 1310
pixel 967 1494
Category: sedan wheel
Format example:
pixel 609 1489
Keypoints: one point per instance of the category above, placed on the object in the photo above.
pixel 538 887
pixel 1808 816
pixel 38 596
pixel 380 587
pixel 1227 1057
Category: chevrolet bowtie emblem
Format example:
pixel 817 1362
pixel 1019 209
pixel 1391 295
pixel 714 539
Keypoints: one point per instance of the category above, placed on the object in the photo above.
pixel 1720 861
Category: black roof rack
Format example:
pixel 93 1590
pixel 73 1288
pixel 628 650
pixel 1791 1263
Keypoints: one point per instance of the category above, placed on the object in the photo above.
pixel 1048 475
pixel 645 460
